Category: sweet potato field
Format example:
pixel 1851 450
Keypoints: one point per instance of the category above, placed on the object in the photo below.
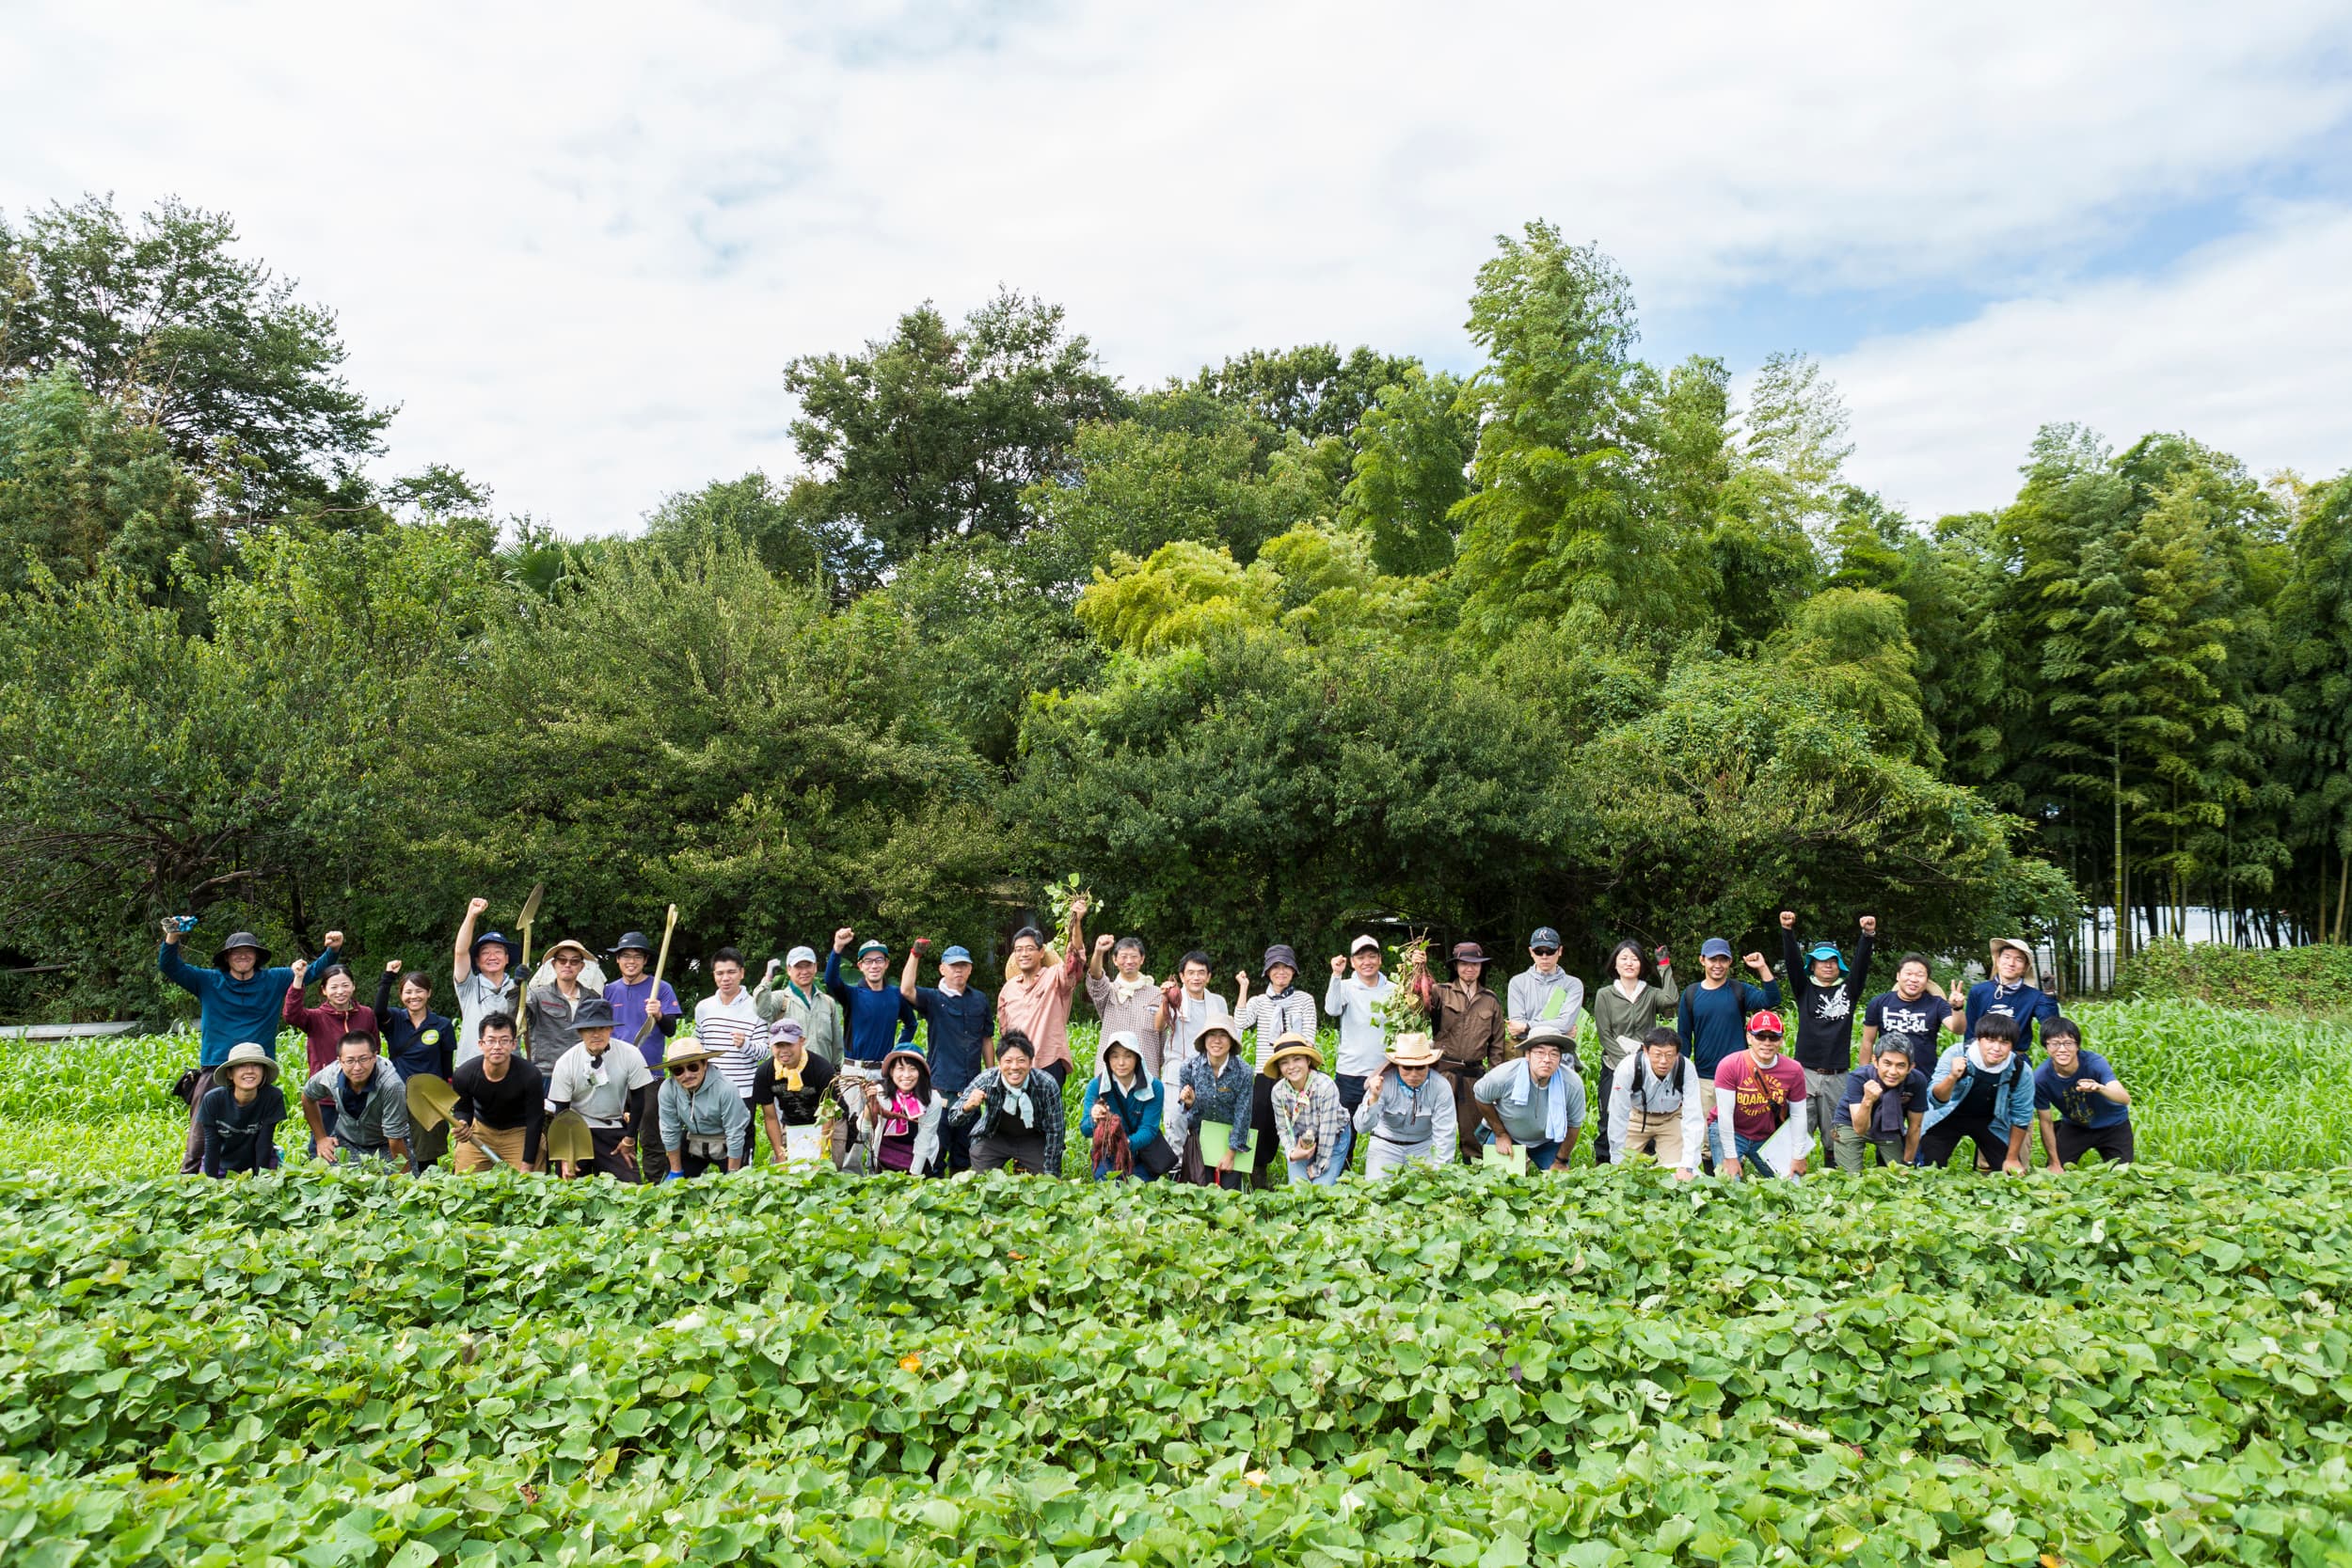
pixel 350 1369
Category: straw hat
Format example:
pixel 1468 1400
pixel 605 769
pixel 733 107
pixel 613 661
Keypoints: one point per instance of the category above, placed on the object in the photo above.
pixel 1992 957
pixel 1413 1049
pixel 694 1054
pixel 1293 1044
pixel 246 1055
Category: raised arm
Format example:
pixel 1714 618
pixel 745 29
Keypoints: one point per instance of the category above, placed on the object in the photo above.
pixel 461 959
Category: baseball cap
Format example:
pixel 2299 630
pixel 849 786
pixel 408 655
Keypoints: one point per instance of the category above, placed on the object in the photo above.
pixel 1361 943
pixel 1545 937
pixel 1715 947
pixel 1765 1022
pixel 784 1029
pixel 954 955
pixel 800 955
pixel 870 945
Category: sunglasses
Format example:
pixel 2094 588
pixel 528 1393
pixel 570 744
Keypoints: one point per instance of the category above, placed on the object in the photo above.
pixel 1543 951
pixel 1766 1035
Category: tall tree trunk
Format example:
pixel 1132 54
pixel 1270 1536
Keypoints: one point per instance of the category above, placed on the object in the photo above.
pixel 2122 916
pixel 2343 881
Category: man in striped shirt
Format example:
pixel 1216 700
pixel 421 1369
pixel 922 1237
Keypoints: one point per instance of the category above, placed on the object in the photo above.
pixel 728 1026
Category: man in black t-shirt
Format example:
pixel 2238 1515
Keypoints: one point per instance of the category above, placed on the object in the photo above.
pixel 1914 1012
pixel 1824 994
pixel 788 1088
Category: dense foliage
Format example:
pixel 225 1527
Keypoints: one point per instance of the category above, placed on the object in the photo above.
pixel 1307 639
pixel 2300 980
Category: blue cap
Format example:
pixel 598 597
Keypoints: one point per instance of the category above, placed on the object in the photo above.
pixel 1715 947
pixel 1545 937
pixel 954 955
pixel 870 945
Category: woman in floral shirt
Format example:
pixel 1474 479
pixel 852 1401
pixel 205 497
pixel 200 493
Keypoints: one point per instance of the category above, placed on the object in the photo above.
pixel 1309 1127
pixel 1216 1088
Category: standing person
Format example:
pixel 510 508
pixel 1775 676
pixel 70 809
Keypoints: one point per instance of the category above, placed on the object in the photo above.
pixel 960 1030
pixel 1825 995
pixel 552 1007
pixel 1123 1112
pixel 610 1086
pixel 482 975
pixel 1536 1102
pixel 1914 1012
pixel 1884 1102
pixel 789 1090
pixel 728 1028
pixel 1187 1005
pixel 1466 1019
pixel 1013 1111
pixel 1217 1091
pixel 704 1123
pixel 1355 999
pixel 1657 1105
pixel 501 1104
pixel 2092 1109
pixel 899 1120
pixel 1281 1010
pixel 1039 994
pixel 1624 1011
pixel 881 1019
pixel 1712 1015
pixel 1127 1001
pixel 338 1014
pixel 2014 992
pixel 238 1002
pixel 418 1043
pixel 1982 1092
pixel 369 1102
pixel 237 1118
pixel 802 1000
pixel 1544 994
pixel 1757 1091
pixel 1407 1115
pixel 636 994
pixel 1311 1126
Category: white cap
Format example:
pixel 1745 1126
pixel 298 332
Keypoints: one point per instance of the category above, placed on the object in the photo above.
pixel 1361 943
pixel 800 955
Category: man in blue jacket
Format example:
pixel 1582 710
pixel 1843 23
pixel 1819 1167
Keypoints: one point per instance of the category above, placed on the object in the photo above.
pixel 238 999
pixel 1982 1092
pixel 1712 1016
pixel 874 1010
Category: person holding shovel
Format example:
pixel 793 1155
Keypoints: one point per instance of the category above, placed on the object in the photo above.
pixel 636 994
pixel 704 1123
pixel 501 1105
pixel 610 1086
pixel 238 1000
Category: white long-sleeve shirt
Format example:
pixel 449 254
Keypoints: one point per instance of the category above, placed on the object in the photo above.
pixel 1632 1087
pixel 1363 1044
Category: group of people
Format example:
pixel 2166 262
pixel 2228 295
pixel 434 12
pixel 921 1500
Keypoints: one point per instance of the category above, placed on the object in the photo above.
pixel 823 1062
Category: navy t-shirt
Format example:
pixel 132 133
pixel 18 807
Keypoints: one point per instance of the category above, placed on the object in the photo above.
pixel 1915 1023
pixel 2083 1109
pixel 1714 1024
pixel 2025 1005
pixel 1894 1104
pixel 957 1028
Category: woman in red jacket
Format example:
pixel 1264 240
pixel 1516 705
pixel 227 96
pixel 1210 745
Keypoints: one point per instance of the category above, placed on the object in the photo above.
pixel 324 1027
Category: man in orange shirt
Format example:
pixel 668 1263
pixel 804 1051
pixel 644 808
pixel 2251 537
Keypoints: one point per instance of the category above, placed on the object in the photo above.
pixel 1037 995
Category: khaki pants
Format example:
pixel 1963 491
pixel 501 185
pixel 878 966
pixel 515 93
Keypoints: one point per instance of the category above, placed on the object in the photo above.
pixel 1657 1134
pixel 506 1141
pixel 1848 1146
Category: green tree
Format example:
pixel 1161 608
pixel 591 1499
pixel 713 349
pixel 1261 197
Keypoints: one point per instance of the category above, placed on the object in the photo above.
pixel 2313 669
pixel 1851 647
pixel 934 433
pixel 1310 390
pixel 241 379
pixel 785 528
pixel 1412 449
pixel 83 488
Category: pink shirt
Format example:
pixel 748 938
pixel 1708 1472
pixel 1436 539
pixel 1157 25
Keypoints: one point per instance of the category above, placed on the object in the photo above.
pixel 1763 1095
pixel 1038 1007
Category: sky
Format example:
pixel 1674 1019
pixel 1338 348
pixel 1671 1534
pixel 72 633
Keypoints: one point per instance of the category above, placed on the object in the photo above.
pixel 577 246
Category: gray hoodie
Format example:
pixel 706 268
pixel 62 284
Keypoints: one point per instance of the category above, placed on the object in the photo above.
pixel 1554 999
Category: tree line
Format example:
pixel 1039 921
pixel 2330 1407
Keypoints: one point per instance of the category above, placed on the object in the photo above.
pixel 1306 640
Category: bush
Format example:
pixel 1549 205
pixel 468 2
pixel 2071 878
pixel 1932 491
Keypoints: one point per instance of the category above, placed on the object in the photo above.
pixel 2301 979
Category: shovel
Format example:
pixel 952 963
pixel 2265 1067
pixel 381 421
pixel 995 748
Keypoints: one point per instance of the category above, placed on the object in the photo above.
pixel 652 997
pixel 522 1010
pixel 430 1103
pixel 571 1140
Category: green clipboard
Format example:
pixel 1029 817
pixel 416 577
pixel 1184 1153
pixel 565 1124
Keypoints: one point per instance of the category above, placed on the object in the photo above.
pixel 1515 1161
pixel 1217 1141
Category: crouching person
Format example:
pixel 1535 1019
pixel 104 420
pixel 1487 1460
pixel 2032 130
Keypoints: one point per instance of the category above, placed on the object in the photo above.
pixel 899 1121
pixel 704 1123
pixel 236 1120
pixel 1409 1119
pixel 1015 1113
pixel 1881 1108
pixel 1534 1103
pixel 1983 1095
pixel 368 1103
pixel 1125 1108
pixel 1758 1092
pixel 2093 1110
pixel 501 1104
pixel 1657 1106
pixel 1309 1117
pixel 612 1089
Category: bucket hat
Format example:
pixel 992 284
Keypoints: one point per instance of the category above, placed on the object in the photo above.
pixel 1552 1036
pixel 593 1013
pixel 1413 1049
pixel 1468 952
pixel 906 1053
pixel 1219 1027
pixel 247 1054
pixel 514 948
pixel 1293 1044
pixel 1279 953
pixel 237 940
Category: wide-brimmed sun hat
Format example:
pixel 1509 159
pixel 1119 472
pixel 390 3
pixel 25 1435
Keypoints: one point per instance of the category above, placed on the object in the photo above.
pixel 237 940
pixel 1413 1049
pixel 1993 954
pixel 1292 1044
pixel 247 1054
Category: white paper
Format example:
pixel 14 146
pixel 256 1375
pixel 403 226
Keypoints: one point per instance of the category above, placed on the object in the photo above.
pixel 1785 1148
pixel 804 1146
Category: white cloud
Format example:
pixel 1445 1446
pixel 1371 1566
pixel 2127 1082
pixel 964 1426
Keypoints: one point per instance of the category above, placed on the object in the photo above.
pixel 2243 345
pixel 580 246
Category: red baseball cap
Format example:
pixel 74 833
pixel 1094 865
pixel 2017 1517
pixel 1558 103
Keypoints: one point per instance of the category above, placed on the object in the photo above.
pixel 1765 1022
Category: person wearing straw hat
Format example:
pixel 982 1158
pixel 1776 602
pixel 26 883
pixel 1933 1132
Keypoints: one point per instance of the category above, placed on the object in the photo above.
pixel 1536 1102
pixel 482 975
pixel 899 1119
pixel 1311 1125
pixel 238 1001
pixel 704 1122
pixel 802 1000
pixel 1219 1095
pixel 502 1104
pixel 610 1087
pixel 237 1118
pixel 1282 1008
pixel 1013 1111
pixel 569 979
pixel 1466 1024
pixel 1408 1117
pixel 368 1104
pixel 2013 992
pixel 636 994
pixel 1124 1112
